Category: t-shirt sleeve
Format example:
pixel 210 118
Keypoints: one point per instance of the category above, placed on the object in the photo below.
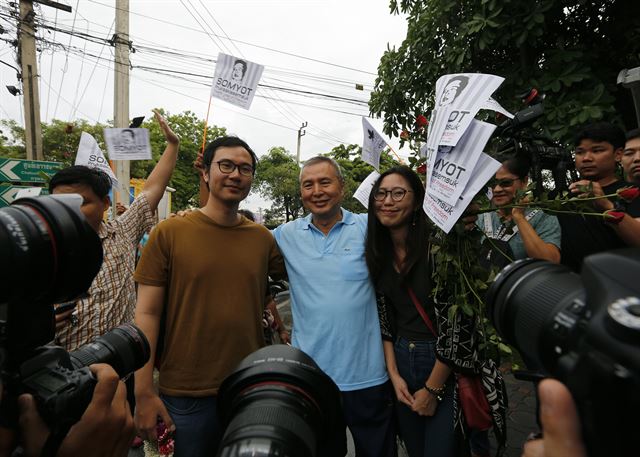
pixel 548 229
pixel 153 267
pixel 137 220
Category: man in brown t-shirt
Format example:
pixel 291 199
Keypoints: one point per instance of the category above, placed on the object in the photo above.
pixel 208 272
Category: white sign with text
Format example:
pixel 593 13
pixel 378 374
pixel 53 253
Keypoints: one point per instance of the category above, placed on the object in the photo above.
pixel 236 80
pixel 453 166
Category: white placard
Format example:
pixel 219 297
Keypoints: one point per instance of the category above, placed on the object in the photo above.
pixel 236 80
pixel 445 215
pixel 453 166
pixel 90 155
pixel 493 105
pixel 364 190
pixel 464 94
pixel 372 145
pixel 437 125
pixel 127 144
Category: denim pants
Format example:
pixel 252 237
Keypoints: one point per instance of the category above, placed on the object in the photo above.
pixel 423 436
pixel 198 432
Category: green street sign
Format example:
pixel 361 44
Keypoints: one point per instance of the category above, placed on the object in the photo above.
pixel 17 170
pixel 8 193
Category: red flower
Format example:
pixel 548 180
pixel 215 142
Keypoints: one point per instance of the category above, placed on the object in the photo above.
pixel 421 121
pixel 422 169
pixel 628 194
pixel 613 217
pixel 165 439
pixel 404 135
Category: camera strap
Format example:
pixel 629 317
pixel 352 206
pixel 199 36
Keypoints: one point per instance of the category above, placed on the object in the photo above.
pixel 52 445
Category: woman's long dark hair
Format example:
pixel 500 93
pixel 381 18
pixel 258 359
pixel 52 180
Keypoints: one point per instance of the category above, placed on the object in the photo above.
pixel 378 245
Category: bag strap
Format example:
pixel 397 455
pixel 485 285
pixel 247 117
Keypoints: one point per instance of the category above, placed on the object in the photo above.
pixel 421 311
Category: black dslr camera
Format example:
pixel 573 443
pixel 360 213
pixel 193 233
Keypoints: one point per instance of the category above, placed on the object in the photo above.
pixel 50 254
pixel 583 330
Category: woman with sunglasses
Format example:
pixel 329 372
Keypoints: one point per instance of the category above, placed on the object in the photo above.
pixel 529 232
pixel 420 352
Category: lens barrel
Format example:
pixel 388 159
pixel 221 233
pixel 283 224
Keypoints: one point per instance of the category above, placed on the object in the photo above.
pixel 534 305
pixel 125 348
pixel 50 253
pixel 279 403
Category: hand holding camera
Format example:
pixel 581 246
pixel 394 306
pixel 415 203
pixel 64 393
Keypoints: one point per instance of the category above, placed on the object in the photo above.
pixel 105 429
pixel 560 424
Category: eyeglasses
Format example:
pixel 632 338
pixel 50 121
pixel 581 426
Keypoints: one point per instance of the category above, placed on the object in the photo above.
pixel 227 167
pixel 397 194
pixel 503 182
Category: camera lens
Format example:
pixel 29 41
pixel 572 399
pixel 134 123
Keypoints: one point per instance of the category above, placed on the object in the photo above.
pixel 535 306
pixel 50 253
pixel 125 348
pixel 279 403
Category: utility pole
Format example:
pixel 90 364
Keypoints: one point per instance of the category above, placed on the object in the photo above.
pixel 301 133
pixel 29 76
pixel 121 92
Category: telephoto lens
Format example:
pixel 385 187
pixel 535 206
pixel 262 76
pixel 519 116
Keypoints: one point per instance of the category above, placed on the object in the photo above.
pixel 50 253
pixel 278 403
pixel 125 348
pixel 535 305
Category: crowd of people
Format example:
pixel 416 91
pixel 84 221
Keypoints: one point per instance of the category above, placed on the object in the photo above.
pixel 362 300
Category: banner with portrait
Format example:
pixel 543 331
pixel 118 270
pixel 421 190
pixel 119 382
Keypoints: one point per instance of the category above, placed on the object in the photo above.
pixel 127 144
pixel 236 80
pixel 464 94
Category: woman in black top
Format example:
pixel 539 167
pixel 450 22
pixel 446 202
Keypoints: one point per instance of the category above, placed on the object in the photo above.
pixel 419 362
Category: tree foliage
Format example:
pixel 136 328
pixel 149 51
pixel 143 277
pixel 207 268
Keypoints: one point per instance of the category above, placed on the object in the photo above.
pixel 572 51
pixel 277 179
pixel 60 141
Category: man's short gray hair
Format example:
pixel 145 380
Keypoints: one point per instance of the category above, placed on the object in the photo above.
pixel 320 159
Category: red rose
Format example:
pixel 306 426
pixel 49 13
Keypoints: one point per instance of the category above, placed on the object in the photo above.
pixel 421 121
pixel 404 135
pixel 422 169
pixel 628 194
pixel 613 217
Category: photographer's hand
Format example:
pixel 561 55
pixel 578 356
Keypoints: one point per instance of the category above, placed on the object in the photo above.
pixel 560 424
pixel 105 429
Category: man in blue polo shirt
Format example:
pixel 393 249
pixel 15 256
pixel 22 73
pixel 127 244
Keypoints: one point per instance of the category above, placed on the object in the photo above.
pixel 334 307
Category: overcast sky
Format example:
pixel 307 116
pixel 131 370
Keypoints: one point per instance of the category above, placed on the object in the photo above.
pixel 186 35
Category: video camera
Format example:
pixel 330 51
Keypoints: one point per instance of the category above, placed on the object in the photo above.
pixel 50 254
pixel 545 153
pixel 583 330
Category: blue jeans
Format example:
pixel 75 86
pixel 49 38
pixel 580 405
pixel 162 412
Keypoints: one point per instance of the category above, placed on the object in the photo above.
pixel 423 436
pixel 198 432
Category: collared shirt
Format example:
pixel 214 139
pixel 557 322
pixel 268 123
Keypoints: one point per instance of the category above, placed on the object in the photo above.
pixel 546 226
pixel 112 295
pixel 333 301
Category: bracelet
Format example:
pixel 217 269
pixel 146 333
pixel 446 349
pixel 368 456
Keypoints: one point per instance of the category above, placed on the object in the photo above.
pixel 438 393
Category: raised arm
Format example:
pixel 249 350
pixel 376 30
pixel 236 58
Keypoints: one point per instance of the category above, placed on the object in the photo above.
pixel 158 180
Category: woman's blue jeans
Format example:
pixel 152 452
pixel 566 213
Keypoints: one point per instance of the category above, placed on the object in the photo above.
pixel 423 436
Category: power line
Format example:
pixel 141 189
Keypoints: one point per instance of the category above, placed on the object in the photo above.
pixel 66 61
pixel 266 48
